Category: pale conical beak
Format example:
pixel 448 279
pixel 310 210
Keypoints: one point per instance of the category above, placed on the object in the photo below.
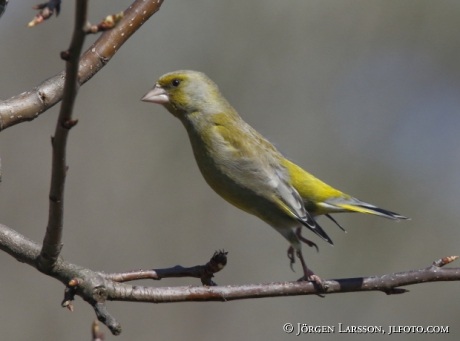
pixel 156 95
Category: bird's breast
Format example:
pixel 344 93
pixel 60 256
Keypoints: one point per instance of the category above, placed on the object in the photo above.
pixel 239 178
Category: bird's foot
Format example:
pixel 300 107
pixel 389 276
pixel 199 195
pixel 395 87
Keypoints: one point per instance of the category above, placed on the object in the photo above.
pixel 309 275
pixel 291 252
pixel 312 278
pixel 322 285
pixel 298 233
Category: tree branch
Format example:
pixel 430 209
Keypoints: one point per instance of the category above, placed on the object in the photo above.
pixel 386 283
pixel 53 236
pixel 95 288
pixel 203 272
pixel 30 104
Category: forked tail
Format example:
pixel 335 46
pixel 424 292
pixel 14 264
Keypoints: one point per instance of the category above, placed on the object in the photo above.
pixel 355 205
pixel 371 209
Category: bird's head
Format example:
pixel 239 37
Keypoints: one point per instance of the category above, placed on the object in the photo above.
pixel 186 92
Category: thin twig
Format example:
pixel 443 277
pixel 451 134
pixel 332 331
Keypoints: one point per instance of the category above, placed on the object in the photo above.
pixel 52 241
pixel 204 272
pixel 30 104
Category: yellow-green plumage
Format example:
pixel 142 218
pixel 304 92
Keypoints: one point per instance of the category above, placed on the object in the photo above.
pixel 243 167
pixel 312 190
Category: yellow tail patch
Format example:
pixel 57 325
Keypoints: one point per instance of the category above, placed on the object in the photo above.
pixel 353 208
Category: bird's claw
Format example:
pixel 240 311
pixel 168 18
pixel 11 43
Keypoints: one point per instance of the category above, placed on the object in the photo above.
pixel 304 240
pixel 316 280
pixel 308 242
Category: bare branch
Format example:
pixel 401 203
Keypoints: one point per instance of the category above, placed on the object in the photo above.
pixel 90 286
pixel 16 245
pixel 95 289
pixel 52 241
pixel 204 272
pixel 30 104
pixel 388 284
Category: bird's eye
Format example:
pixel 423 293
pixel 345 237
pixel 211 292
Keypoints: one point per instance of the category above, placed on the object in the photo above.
pixel 175 82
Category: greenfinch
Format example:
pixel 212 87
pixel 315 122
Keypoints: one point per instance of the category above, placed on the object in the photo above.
pixel 247 170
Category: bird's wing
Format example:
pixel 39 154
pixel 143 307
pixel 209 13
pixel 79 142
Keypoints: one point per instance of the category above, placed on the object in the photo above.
pixel 304 217
pixel 257 164
pixel 253 162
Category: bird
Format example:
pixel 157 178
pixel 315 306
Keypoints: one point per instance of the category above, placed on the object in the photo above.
pixel 246 170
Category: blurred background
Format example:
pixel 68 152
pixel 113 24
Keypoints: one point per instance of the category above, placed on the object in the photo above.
pixel 363 94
